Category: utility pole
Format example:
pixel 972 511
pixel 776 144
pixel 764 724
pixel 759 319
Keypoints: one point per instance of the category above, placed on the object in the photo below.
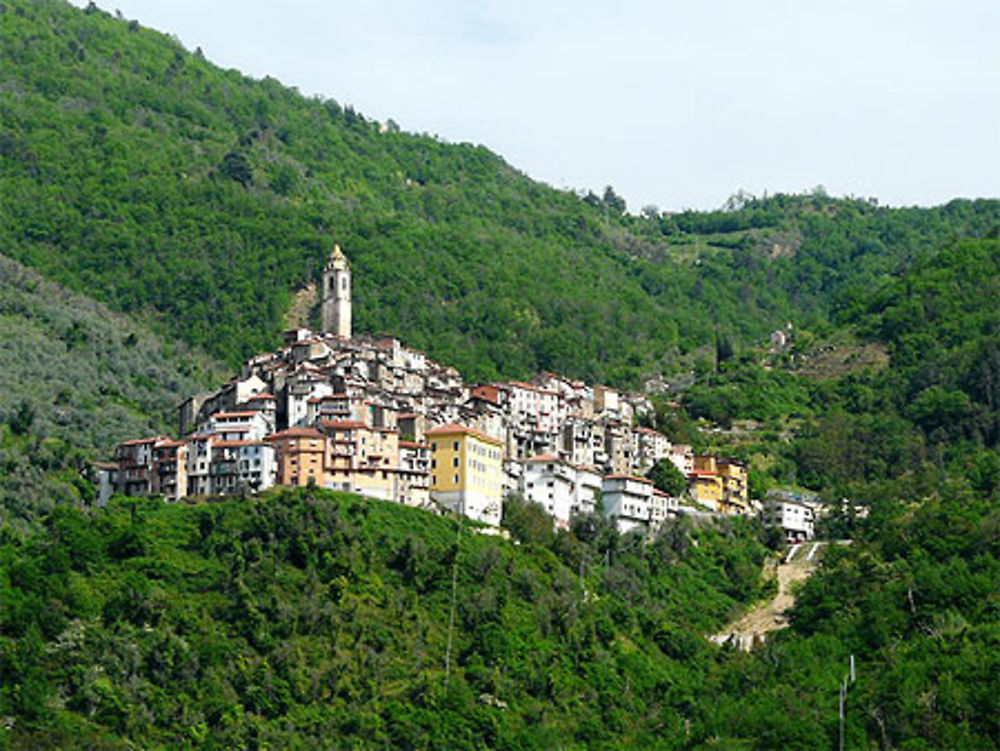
pixel 844 685
pixel 454 599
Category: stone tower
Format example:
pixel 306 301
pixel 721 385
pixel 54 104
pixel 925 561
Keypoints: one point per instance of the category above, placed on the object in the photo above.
pixel 336 311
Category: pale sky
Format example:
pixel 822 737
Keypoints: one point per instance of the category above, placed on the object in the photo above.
pixel 677 104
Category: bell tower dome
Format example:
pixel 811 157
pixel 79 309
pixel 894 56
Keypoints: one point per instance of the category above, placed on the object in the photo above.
pixel 336 295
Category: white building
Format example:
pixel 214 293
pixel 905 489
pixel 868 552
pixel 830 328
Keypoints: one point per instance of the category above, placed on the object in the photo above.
pixel 682 457
pixel 650 447
pixel 587 490
pixel 662 506
pixel 561 488
pixel 243 425
pixel 550 482
pixel 795 519
pixel 626 499
pixel 242 466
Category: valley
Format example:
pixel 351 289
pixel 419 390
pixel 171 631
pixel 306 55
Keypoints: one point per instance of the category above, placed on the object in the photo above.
pixel 164 226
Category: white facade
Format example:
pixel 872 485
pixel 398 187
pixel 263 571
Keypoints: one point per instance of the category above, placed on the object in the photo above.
pixel 682 457
pixel 796 520
pixel 299 396
pixel 241 425
pixel 241 467
pixel 551 483
pixel 587 490
pixel 662 507
pixel 650 447
pixel 626 499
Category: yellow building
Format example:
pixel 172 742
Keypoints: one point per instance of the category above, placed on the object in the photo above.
pixel 720 484
pixel 467 472
pixel 707 486
pixel 736 499
pixel 707 489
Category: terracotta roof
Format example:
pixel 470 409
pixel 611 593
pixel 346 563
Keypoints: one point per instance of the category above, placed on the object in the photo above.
pixel 545 458
pixel 413 445
pixel 228 415
pixel 296 433
pixel 169 444
pixel 523 385
pixel 629 477
pixel 260 396
pixel 453 429
pixel 344 424
pixel 137 441
pixel 649 431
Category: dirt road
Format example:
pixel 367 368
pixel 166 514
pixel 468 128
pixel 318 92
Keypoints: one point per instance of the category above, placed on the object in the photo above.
pixel 799 563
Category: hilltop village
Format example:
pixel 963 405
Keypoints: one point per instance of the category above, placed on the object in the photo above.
pixel 371 416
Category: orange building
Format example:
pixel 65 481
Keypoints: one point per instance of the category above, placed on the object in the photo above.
pixel 363 459
pixel 301 456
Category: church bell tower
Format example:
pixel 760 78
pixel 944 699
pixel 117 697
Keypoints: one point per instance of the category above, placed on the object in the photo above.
pixel 336 309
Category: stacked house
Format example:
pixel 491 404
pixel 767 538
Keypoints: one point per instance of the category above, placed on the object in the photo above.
pixel 372 416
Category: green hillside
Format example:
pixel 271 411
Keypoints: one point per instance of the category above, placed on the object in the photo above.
pixel 200 201
pixel 315 620
pixel 76 379
pixel 193 203
pixel 322 621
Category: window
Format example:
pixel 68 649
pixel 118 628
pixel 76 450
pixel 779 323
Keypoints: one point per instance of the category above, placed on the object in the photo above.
pixel 454 462
pixel 454 446
pixel 456 479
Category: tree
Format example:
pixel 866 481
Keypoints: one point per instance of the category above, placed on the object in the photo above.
pixel 614 201
pixel 236 167
pixel 22 419
pixel 667 478
pixel 527 521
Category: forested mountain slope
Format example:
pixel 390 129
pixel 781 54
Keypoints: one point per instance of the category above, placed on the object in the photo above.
pixel 200 200
pixel 315 620
pixel 76 378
